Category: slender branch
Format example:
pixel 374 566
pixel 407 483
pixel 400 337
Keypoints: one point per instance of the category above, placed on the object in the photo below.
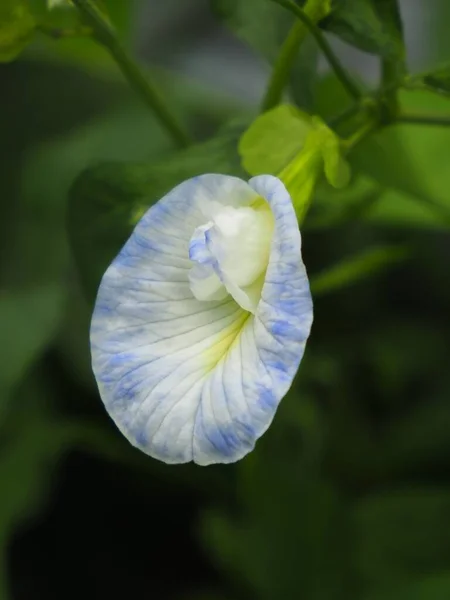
pixel 424 119
pixel 283 66
pixel 323 44
pixel 316 9
pixel 360 134
pixel 393 69
pixel 105 35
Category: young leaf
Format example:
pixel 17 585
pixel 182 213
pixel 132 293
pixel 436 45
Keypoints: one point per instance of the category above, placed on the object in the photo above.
pixel 372 25
pixel 17 26
pixel 273 139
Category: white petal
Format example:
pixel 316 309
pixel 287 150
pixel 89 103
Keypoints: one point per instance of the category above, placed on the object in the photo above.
pixel 190 380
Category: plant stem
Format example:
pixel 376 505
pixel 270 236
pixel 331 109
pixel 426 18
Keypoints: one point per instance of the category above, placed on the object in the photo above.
pixel 106 36
pixel 316 9
pixel 424 119
pixel 283 66
pixel 309 18
pixel 360 134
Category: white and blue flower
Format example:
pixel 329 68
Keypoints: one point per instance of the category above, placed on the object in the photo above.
pixel 201 320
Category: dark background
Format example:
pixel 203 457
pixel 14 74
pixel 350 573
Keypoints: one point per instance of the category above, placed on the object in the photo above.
pixel 347 496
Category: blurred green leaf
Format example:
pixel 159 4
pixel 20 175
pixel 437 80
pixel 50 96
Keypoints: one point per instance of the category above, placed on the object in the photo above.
pixel 432 587
pixel 274 139
pixel 371 25
pixel 421 438
pixel 410 159
pixel 357 268
pixel 332 207
pixel 439 80
pixel 17 26
pixel 261 24
pixel 107 201
pixel 402 533
pixel 29 319
pixel 285 503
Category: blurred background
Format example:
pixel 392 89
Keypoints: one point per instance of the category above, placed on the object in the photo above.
pixel 347 496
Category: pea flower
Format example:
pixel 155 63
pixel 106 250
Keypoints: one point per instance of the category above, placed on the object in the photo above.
pixel 201 321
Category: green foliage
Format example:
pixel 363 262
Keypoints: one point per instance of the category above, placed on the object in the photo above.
pixel 418 588
pixel 265 26
pixel 280 136
pixel 357 268
pixel 410 159
pixel 295 147
pixel 274 139
pixel 107 201
pixel 29 319
pixel 392 531
pixel 261 24
pixel 17 26
pixel 371 25
pixel 302 513
pixel 404 165
pixel 439 80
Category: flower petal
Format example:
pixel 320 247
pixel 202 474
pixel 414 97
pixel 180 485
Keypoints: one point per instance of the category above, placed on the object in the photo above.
pixel 194 380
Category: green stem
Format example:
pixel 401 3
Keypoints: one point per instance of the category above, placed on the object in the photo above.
pixel 309 18
pixel 316 10
pixel 424 119
pixel 283 65
pixel 105 35
pixel 360 134
pixel 392 74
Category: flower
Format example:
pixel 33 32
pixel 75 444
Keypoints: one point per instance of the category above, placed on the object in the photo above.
pixel 201 321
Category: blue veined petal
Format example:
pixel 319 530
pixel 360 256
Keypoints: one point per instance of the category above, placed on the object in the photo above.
pixel 193 380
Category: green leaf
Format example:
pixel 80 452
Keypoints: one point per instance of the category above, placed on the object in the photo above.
pixel 439 81
pixel 260 23
pixel 279 137
pixel 274 139
pixel 107 201
pixel 29 319
pixel 304 515
pixel 404 163
pixel 354 269
pixel 295 147
pixel 402 533
pixel 411 160
pixel 431 587
pixel 337 169
pixel 372 25
pixel 17 26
